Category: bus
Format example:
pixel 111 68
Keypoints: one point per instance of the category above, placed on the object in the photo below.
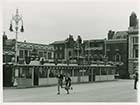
pixel 45 75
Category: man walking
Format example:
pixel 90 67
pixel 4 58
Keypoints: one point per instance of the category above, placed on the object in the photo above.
pixel 68 83
pixel 60 82
pixel 136 80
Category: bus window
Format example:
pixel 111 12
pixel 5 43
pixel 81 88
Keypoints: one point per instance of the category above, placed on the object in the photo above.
pixel 86 73
pixel 111 71
pixel 76 72
pixel 103 71
pixel 69 71
pixel 21 72
pixel 97 71
pixel 28 72
pixel 52 73
pixel 43 72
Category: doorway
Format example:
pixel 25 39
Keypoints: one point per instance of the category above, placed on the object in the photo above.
pixel 7 76
pixel 91 75
pixel 36 76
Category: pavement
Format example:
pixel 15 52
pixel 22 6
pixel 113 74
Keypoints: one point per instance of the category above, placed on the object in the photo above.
pixel 111 91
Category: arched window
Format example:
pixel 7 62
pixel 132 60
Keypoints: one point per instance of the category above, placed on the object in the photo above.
pixel 117 57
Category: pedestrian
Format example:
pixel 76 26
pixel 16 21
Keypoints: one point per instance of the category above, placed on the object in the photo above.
pixel 60 82
pixel 136 80
pixel 67 83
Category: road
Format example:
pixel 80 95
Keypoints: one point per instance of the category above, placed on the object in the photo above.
pixel 113 91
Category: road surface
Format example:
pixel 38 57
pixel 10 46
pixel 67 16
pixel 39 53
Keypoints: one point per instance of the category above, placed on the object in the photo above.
pixel 113 91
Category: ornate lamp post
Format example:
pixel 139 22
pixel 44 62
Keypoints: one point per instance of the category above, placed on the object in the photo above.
pixel 18 23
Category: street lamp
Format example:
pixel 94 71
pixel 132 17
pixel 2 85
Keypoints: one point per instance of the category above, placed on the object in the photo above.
pixel 105 46
pixel 18 23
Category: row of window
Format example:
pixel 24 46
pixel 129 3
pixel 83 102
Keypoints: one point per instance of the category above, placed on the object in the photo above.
pixel 26 72
pixel 23 53
pixel 105 71
pixel 58 48
pixel 95 44
pixel 59 55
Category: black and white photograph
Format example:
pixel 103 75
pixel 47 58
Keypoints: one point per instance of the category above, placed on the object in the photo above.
pixel 70 51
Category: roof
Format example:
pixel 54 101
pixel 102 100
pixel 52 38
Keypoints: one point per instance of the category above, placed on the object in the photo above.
pixel 34 45
pixel 94 40
pixel 120 35
pixel 59 42
pixel 116 41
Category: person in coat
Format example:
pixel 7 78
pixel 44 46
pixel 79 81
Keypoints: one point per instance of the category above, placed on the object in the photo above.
pixel 67 83
pixel 136 80
pixel 60 82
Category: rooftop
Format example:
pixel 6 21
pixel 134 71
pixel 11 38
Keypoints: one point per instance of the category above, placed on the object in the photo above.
pixel 120 35
pixel 59 42
pixel 94 40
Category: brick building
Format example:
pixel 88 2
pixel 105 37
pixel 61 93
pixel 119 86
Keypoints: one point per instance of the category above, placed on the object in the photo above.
pixel 8 49
pixel 122 46
pixel 64 50
pixel 94 50
pixel 24 50
pixel 117 51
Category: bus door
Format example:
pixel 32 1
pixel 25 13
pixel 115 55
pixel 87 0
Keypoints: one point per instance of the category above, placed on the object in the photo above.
pixel 93 79
pixel 7 75
pixel 36 75
pixel 91 75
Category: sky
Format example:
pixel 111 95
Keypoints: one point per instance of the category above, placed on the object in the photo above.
pixel 46 22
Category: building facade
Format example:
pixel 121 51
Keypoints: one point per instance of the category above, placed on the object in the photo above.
pixel 117 52
pixel 133 41
pixel 122 46
pixel 8 49
pixel 94 50
pixel 120 49
pixel 24 50
pixel 64 50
